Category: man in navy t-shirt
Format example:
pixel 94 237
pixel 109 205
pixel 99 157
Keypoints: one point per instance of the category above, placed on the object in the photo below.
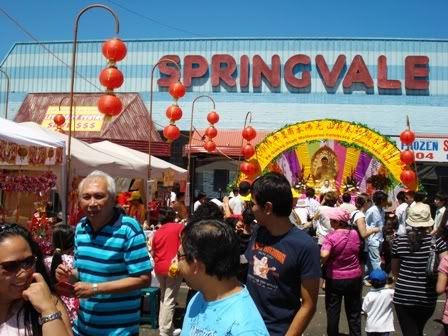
pixel 284 264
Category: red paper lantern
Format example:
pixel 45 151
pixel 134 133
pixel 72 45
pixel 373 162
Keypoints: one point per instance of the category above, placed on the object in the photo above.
pixel 110 105
pixel 248 151
pixel 114 49
pixel 249 133
pixel 213 117
pixel 177 90
pixel 408 177
pixel 111 77
pixel 407 137
pixel 211 132
pixel 407 157
pixel 174 112
pixel 59 119
pixel 210 146
pixel 171 132
pixel 248 168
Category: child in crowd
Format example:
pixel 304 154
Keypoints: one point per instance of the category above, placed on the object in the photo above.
pixel 377 305
pixel 442 283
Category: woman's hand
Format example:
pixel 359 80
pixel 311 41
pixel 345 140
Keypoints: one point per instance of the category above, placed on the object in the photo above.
pixel 40 296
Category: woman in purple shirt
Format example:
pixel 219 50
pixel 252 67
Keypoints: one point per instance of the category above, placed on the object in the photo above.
pixel 340 253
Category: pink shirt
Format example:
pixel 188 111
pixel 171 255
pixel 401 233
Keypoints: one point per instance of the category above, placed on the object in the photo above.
pixel 343 245
pixel 443 268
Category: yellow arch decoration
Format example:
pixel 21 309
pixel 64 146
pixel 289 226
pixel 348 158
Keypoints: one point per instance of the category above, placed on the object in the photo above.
pixel 382 148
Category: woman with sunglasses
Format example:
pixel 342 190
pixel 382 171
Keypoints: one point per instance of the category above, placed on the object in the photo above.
pixel 27 303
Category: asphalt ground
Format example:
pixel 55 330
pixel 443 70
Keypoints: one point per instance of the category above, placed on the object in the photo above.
pixel 318 324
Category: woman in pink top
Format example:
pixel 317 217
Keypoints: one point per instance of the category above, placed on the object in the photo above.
pixel 442 287
pixel 340 253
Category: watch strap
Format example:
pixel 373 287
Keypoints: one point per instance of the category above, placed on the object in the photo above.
pixel 50 317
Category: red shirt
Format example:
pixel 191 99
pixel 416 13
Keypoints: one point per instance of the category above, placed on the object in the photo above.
pixel 165 243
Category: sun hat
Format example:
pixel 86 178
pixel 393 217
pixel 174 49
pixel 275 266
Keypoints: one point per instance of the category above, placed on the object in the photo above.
pixel 419 215
pixel 338 214
pixel 135 195
pixel 378 275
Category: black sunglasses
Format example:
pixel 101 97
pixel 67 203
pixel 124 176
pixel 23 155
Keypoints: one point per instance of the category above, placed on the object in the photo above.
pixel 16 265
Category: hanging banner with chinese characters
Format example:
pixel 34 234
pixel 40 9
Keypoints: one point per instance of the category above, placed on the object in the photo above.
pixel 15 154
pixel 85 118
pixel 346 133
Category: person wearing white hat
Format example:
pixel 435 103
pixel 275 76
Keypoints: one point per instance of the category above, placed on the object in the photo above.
pixel 415 295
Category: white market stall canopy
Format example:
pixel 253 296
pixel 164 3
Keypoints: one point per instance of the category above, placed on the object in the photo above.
pixel 158 166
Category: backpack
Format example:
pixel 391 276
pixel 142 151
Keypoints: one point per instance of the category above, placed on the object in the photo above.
pixel 432 264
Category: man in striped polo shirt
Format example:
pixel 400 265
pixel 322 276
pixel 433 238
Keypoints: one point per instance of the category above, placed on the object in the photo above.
pixel 111 263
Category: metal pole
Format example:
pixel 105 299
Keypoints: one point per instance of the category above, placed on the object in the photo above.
pixel 7 92
pixel 149 181
pixel 72 86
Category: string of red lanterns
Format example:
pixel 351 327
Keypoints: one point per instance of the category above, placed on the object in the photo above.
pixel 174 112
pixel 408 176
pixel 114 50
pixel 249 168
pixel 211 132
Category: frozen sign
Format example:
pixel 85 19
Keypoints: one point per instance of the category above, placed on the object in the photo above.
pixel 427 149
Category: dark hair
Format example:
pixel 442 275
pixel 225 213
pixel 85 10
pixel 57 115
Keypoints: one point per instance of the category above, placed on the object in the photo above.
pixel 244 187
pixel 346 197
pixel 442 230
pixel 310 192
pixel 415 238
pixel 273 188
pixel 231 221
pixel 361 200
pixel 215 244
pixel 410 193
pixel 167 215
pixel 442 197
pixel 378 284
pixel 400 196
pixel 379 197
pixel 63 240
pixel 419 196
pixel 31 316
pixel 330 198
pixel 248 216
pixel 180 194
pixel 207 210
pixel 201 195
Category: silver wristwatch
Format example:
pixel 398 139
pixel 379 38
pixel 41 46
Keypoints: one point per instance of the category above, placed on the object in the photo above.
pixel 50 317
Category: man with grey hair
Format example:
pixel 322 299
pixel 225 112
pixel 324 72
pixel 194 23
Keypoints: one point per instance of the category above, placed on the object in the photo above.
pixel 111 263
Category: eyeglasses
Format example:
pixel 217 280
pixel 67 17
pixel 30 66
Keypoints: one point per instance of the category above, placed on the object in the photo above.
pixel 180 255
pixel 16 265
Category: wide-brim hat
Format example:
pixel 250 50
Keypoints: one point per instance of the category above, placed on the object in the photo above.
pixel 419 215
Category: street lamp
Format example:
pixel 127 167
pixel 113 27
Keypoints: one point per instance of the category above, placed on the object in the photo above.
pixel 72 86
pixel 7 92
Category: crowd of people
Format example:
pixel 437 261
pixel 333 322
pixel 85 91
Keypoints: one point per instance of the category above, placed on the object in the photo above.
pixel 254 263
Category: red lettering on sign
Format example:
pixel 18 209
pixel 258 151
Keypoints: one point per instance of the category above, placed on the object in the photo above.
pixel 223 67
pixel 383 82
pixel 195 66
pixel 168 69
pixel 445 145
pixel 330 78
pixel 358 73
pixel 292 80
pixel 244 71
pixel 417 71
pixel 260 68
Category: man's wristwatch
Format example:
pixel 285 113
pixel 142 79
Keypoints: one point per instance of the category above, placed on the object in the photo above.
pixel 50 317
pixel 95 288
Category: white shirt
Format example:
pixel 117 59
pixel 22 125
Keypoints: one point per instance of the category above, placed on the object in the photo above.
pixel 236 204
pixel 196 205
pixel 438 217
pixel 348 207
pixel 377 304
pixel 400 212
pixel 312 205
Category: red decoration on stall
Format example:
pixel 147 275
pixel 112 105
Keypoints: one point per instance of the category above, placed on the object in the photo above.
pixel 248 168
pixel 210 145
pixel 249 133
pixel 407 157
pixel 177 90
pixel 171 132
pixel 248 151
pixel 59 119
pixel 110 105
pixel 111 78
pixel 407 137
pixel 173 112
pixel 213 117
pixel 114 49
pixel 408 177
pixel 211 132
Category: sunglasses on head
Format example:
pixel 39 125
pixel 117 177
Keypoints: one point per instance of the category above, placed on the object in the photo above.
pixel 16 265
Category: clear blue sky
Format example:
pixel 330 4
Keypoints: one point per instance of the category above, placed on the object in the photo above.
pixel 51 20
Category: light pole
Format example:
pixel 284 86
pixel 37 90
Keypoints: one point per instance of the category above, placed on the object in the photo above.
pixel 72 86
pixel 7 92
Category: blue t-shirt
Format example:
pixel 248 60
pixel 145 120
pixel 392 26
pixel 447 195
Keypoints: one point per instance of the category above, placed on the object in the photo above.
pixel 118 250
pixel 277 266
pixel 231 316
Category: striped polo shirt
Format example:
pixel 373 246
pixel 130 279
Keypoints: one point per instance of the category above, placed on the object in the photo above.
pixel 412 287
pixel 118 250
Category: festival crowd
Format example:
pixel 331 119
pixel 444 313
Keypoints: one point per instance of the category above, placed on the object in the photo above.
pixel 254 263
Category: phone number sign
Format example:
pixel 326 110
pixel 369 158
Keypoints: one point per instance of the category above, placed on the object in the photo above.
pixel 427 149
pixel 85 118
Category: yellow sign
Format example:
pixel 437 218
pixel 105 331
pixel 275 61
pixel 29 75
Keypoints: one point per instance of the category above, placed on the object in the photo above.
pixel 293 135
pixel 85 118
